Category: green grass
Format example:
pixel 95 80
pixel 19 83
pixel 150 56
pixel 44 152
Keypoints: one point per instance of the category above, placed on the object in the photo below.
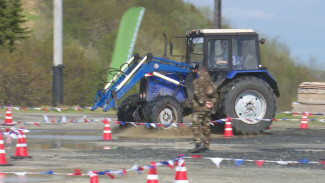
pixel 70 111
pixel 284 115
pixel 32 17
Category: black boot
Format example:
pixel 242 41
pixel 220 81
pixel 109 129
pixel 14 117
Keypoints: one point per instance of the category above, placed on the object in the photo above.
pixel 197 148
pixel 203 150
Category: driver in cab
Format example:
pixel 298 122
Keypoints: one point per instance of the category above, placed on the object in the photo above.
pixel 222 57
pixel 218 51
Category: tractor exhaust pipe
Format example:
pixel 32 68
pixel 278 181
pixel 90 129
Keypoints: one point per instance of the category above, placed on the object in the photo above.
pixel 165 47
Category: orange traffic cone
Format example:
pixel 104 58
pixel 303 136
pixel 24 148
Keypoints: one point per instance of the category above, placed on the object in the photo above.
pixel 152 176
pixel 21 147
pixel 180 174
pixel 8 118
pixel 3 161
pixel 93 177
pixel 107 130
pixel 228 129
pixel 304 121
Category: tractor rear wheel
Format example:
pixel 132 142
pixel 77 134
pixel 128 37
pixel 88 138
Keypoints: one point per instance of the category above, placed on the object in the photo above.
pixel 249 99
pixel 165 110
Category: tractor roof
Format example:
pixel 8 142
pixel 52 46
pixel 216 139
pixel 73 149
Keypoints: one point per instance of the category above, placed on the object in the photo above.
pixel 211 31
pixel 196 32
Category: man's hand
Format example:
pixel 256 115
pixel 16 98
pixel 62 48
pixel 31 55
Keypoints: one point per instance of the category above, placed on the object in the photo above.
pixel 208 104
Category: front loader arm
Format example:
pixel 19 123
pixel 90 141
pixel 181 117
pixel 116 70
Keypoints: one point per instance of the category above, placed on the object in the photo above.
pixel 127 81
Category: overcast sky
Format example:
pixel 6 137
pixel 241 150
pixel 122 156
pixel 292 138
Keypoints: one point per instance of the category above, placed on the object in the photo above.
pixel 300 24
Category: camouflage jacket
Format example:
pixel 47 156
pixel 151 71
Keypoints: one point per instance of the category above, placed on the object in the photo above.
pixel 204 90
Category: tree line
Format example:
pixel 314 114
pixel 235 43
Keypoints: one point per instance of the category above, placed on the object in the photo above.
pixel 90 29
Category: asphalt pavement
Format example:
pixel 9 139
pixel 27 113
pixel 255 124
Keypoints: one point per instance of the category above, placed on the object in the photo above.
pixel 285 153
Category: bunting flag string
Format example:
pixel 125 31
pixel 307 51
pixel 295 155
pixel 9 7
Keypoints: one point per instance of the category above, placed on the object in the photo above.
pixel 62 119
pixel 259 163
pixel 84 119
pixel 13 132
pixel 300 113
pixel 222 121
pixel 148 125
pixel 169 163
pixel 77 171
pixel 46 109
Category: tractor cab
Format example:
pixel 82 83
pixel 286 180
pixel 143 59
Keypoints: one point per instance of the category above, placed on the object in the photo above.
pixel 223 50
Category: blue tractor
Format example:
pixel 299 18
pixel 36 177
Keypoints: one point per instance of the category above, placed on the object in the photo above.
pixel 247 92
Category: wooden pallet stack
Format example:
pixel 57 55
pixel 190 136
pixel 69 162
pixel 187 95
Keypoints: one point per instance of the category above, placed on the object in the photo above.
pixel 311 98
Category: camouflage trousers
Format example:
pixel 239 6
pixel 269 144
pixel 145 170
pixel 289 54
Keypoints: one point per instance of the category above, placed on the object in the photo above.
pixel 201 124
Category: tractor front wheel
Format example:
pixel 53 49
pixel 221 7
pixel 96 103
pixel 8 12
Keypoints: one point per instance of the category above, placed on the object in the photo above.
pixel 165 110
pixel 132 109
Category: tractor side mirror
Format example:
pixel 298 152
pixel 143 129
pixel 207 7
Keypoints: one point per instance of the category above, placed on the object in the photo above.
pixel 195 65
pixel 262 41
pixel 179 45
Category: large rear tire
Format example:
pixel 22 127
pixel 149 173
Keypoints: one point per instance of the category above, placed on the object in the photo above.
pixel 250 99
pixel 165 110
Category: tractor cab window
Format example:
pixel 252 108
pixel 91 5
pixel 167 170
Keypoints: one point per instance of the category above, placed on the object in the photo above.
pixel 196 49
pixel 218 55
pixel 244 54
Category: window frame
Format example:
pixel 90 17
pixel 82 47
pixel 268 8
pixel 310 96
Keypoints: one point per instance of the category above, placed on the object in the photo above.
pixel 206 54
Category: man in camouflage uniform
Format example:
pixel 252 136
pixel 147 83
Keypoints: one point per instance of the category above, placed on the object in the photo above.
pixel 205 97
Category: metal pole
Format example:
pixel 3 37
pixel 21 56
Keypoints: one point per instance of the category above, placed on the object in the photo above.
pixel 57 55
pixel 217 14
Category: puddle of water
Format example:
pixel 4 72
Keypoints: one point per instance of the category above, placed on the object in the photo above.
pixel 59 145
pixel 109 147
pixel 65 140
pixel 310 150
pixel 64 131
pixel 69 145
pixel 65 137
pixel 68 137
pixel 30 178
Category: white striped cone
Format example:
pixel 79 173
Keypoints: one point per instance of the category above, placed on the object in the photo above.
pixel 228 129
pixel 8 117
pixel 152 176
pixel 180 174
pixel 304 121
pixel 107 133
pixel 21 147
pixel 3 161
pixel 93 177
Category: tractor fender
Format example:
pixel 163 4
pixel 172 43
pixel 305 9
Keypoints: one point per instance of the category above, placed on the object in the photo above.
pixel 262 74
